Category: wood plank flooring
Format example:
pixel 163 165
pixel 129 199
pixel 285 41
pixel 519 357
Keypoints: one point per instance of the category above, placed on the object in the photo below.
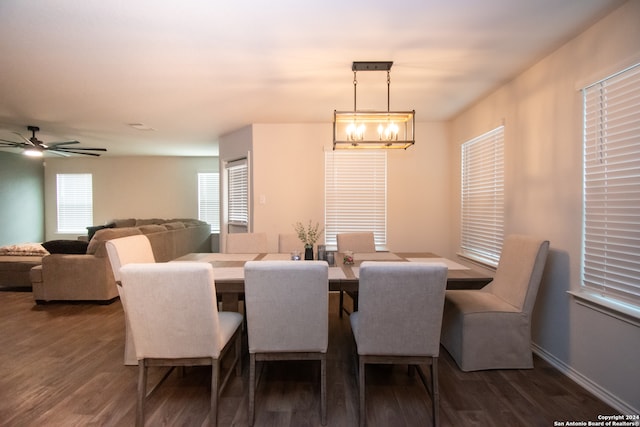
pixel 61 365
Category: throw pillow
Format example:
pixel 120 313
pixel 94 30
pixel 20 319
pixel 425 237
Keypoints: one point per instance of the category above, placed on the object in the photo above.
pixel 24 249
pixel 66 247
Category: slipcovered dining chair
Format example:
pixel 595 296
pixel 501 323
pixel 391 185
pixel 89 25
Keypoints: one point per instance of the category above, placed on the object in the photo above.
pixel 399 320
pixel 246 243
pixel 175 321
pixel 288 243
pixel 362 242
pixel 490 328
pixel 287 319
pixel 122 251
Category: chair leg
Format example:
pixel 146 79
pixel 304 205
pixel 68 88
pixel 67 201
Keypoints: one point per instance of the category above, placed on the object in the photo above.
pixel 323 389
pixel 363 410
pixel 238 355
pixel 341 303
pixel 435 392
pixel 213 412
pixel 142 391
pixel 252 387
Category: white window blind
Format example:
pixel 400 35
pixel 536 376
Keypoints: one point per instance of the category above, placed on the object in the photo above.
pixel 355 194
pixel 238 193
pixel 483 197
pixel 209 199
pixel 75 202
pixel 611 225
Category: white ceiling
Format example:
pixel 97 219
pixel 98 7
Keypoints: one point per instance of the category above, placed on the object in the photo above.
pixel 196 69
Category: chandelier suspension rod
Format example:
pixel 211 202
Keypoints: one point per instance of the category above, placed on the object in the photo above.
pixel 355 86
pixel 388 90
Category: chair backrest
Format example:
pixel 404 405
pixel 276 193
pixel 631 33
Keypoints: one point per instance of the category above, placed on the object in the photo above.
pixel 363 242
pixel 172 309
pixel 127 250
pixel 288 243
pixel 519 272
pixel 287 305
pixel 246 243
pixel 400 308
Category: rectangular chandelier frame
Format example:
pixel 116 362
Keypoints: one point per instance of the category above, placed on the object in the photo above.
pixel 374 125
pixel 360 129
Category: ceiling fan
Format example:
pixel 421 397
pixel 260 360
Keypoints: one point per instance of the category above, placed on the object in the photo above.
pixel 34 147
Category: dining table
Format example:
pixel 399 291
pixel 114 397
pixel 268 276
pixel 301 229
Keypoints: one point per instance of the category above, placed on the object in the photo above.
pixel 228 271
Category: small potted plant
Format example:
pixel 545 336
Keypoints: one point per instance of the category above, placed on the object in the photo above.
pixel 309 236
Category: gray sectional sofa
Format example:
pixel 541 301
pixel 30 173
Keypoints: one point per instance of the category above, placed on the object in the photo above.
pixel 88 277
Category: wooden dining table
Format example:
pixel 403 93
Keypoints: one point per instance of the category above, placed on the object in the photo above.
pixel 229 271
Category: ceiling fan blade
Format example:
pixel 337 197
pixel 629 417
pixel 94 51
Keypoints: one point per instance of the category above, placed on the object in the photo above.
pixel 78 148
pixel 57 144
pixel 12 143
pixel 74 151
pixel 27 140
pixel 59 153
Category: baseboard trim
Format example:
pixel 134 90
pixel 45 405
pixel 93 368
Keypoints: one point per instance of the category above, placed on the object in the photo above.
pixel 593 388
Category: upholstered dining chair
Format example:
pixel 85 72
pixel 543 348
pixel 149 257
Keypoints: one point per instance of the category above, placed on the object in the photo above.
pixel 122 251
pixel 175 321
pixel 399 319
pixel 246 243
pixel 361 242
pixel 287 303
pixel 490 328
pixel 289 242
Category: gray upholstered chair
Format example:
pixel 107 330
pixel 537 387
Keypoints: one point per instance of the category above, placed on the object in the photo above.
pixel 121 251
pixel 246 243
pixel 360 242
pixel 490 328
pixel 288 243
pixel 287 319
pixel 175 321
pixel 399 320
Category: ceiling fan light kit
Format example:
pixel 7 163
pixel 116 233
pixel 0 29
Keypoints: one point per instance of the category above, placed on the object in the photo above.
pixel 33 147
pixel 360 129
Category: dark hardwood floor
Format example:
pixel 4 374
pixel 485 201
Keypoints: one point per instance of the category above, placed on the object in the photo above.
pixel 61 365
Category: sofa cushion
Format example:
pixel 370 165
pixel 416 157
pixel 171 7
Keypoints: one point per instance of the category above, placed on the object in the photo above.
pixel 152 228
pixel 125 222
pixel 66 246
pixel 149 221
pixel 188 222
pixel 174 225
pixel 92 229
pixel 96 245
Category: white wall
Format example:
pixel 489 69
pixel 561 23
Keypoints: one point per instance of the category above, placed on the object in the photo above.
pixel 288 184
pixel 131 187
pixel 541 110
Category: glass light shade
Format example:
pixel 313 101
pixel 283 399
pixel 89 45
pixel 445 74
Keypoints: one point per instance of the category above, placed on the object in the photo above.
pixel 373 129
pixel 32 152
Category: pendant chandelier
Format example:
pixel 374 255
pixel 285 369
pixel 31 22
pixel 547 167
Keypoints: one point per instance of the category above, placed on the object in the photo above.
pixel 361 129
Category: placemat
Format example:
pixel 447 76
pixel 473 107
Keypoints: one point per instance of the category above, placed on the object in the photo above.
pixel 376 256
pixel 336 273
pixel 452 265
pixel 227 257
pixel 228 273
pixel 276 257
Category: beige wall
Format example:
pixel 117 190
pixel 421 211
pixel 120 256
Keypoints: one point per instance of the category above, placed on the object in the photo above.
pixel 125 187
pixel 288 184
pixel 541 110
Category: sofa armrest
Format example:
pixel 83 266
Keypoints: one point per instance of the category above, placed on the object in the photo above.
pixel 74 278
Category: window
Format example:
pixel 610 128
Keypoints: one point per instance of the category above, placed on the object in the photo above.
pixel 238 193
pixel 483 197
pixel 611 223
pixel 75 202
pixel 355 194
pixel 209 199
